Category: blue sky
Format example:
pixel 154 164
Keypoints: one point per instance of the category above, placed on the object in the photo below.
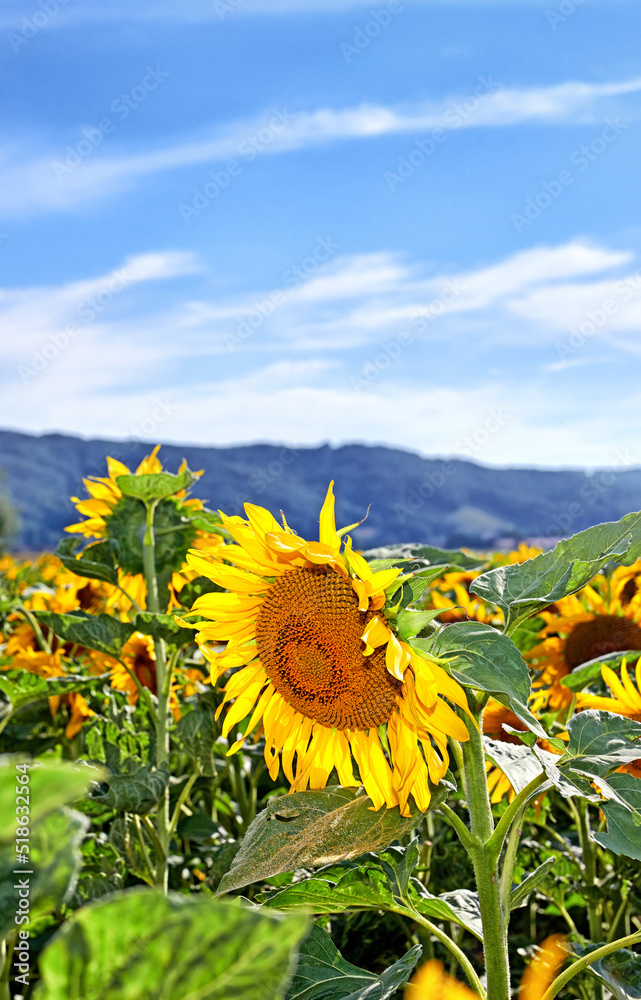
pixel 411 223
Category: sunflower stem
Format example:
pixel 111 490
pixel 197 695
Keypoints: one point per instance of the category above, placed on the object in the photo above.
pixel 589 863
pixel 163 686
pixel 485 860
pixel 452 947
pixel 587 960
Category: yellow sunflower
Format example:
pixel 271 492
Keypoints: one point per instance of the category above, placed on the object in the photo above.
pixel 625 700
pixel 103 504
pixel 600 619
pixel 321 663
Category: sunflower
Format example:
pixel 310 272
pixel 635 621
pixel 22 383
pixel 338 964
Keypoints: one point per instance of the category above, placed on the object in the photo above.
pixel 107 510
pixel 600 619
pixel 138 660
pixel 321 663
pixel 494 716
pixel 625 700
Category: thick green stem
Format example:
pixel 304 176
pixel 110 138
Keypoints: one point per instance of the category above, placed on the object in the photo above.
pixel 451 946
pixel 163 687
pixel 485 859
pixel 588 849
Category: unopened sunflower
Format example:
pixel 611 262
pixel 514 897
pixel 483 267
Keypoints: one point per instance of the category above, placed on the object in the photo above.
pixel 321 664
pixel 601 618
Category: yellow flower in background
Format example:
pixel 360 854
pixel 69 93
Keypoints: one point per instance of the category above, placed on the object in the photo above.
pixel 600 619
pixel 544 967
pixel 321 666
pixel 432 982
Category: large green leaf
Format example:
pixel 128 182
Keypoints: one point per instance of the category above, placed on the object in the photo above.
pixel 96 561
pixel 624 829
pixel 51 784
pixel 142 944
pixel 313 829
pixel 323 974
pixel 523 589
pixel 601 741
pixel 102 632
pixel 154 485
pixel 50 869
pixel 486 659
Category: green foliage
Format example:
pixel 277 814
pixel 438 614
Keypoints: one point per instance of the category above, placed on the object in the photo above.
pixel 487 660
pixel 96 561
pixel 520 590
pixel 313 828
pixel 323 974
pixel 102 632
pixel 141 943
pixel 174 534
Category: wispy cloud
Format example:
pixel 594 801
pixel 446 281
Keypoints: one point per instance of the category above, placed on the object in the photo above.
pixel 299 371
pixel 36 183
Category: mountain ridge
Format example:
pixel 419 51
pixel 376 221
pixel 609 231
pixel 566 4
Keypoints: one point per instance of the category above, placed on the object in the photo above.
pixel 437 501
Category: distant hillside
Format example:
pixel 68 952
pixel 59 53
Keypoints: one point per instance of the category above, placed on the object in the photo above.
pixel 412 498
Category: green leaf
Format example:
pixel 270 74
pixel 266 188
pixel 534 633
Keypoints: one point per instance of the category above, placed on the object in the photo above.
pixel 466 909
pixel 96 562
pixel 521 891
pixel 323 974
pixel 154 485
pixel 196 733
pixel 591 669
pixel 51 784
pixel 24 688
pixel 521 590
pixel 138 791
pixel 102 632
pixel 601 741
pixel 208 520
pixel 518 763
pixel 429 554
pixel 410 623
pixel 141 944
pixel 370 882
pixel 160 626
pixel 488 660
pixel 620 971
pixel 50 876
pixel 624 834
pixel 316 828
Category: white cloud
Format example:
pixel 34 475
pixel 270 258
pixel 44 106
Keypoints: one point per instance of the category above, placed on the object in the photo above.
pixel 45 182
pixel 301 376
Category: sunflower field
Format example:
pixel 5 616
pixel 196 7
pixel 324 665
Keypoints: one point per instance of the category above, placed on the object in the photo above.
pixel 242 765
